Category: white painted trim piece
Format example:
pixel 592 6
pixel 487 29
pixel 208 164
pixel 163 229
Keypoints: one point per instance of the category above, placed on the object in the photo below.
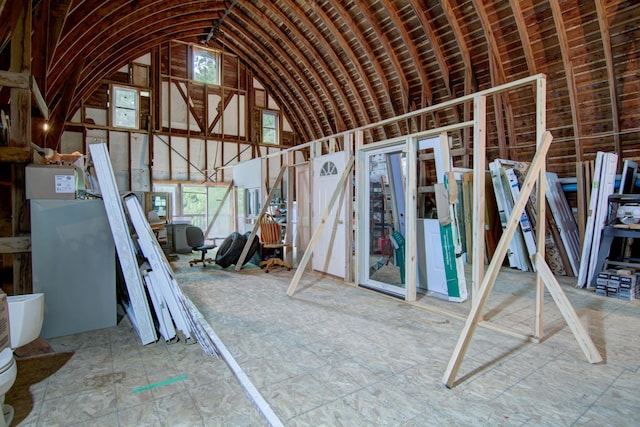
pixel 525 223
pixel 588 231
pixel 608 181
pixel 513 253
pixel 628 166
pixel 152 252
pixel 165 323
pixel 124 245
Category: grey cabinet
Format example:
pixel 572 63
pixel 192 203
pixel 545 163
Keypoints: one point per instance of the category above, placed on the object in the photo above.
pixel 74 265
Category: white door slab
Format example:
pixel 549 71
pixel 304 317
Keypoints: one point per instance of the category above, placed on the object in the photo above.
pixel 330 253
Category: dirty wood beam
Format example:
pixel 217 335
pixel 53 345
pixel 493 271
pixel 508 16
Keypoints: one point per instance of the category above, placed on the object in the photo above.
pixel 187 99
pixel 218 117
pixel 20 109
pixel 15 245
pixel 611 78
pixel 561 32
pixel 14 155
pixel 524 35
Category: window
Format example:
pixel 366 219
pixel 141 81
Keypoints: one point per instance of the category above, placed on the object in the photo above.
pixel 328 168
pixel 269 127
pixel 194 204
pixel 206 66
pixel 125 107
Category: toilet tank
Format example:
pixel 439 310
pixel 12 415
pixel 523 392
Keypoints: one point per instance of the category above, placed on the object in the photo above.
pixel 26 313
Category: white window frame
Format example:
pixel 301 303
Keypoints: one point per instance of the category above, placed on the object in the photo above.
pixel 116 109
pixel 276 128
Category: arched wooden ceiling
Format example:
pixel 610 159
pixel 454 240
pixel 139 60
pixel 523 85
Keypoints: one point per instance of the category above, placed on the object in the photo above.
pixel 354 62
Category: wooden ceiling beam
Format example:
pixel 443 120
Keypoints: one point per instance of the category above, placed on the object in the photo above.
pixel 291 105
pixel 408 44
pixel 360 72
pixel 373 60
pixel 60 111
pixel 425 22
pixel 89 36
pixel 561 32
pixel 325 47
pixel 524 36
pixel 302 102
pixel 292 64
pixel 498 77
pixel 603 22
pixel 372 23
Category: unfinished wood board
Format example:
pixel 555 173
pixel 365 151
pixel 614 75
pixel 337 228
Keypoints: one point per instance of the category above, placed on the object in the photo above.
pixel 494 267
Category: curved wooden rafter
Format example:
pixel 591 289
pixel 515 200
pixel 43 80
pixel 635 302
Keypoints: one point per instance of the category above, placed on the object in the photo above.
pixel 326 47
pixel 306 68
pixel 381 37
pixel 361 74
pixel 568 71
pixel 293 68
pixel 603 22
pixel 303 109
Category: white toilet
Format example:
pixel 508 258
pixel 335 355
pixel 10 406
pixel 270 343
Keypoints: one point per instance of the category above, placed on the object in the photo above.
pixel 26 313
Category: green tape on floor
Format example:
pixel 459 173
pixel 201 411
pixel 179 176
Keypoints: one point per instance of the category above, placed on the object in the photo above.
pixel 160 384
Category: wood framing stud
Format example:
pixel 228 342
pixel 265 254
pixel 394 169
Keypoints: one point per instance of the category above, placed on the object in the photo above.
pixel 496 262
pixel 582 336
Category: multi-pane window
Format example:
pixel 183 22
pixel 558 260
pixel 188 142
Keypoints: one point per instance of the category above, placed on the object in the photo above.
pixel 206 66
pixel 269 127
pixel 125 107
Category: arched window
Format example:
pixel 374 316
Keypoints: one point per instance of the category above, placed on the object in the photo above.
pixel 328 168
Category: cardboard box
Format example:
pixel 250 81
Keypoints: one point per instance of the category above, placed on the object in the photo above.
pixel 603 278
pixel 601 289
pixel 4 322
pixel 51 181
pixel 628 288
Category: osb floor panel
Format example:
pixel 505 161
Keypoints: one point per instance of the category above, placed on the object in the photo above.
pixel 338 355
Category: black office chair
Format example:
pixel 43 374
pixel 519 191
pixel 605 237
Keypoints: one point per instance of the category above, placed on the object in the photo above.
pixel 195 239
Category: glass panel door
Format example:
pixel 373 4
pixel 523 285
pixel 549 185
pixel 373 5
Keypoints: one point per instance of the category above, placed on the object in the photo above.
pixel 385 212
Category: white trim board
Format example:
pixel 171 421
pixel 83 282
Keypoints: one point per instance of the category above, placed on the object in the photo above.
pixel 141 320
